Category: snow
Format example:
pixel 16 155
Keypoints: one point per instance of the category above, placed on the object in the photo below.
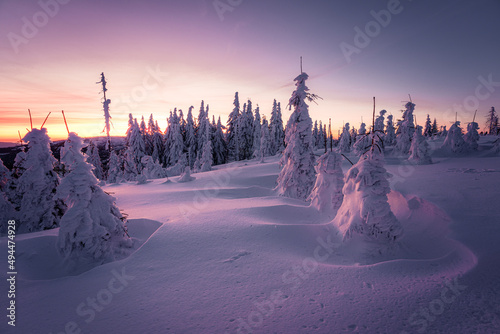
pixel 223 253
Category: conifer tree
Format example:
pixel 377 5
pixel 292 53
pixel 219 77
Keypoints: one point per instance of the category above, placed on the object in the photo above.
pixel 207 155
pixel 257 134
pixel 95 160
pixel 326 195
pixel 379 121
pixel 428 127
pixel 231 133
pixel 265 140
pixel 174 142
pixel 315 134
pixel 434 129
pixel 321 136
pixel 115 172
pixel 365 212
pixel 472 136
pixel 419 149
pixel 39 208
pixel 454 141
pixel 276 128
pixel 190 142
pixel 345 140
pixel 390 132
pixel 219 145
pixel 297 177
pixel 92 229
pixel 492 122
pixel 405 130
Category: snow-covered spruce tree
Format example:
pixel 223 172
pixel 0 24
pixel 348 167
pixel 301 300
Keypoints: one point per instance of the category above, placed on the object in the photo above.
pixel 186 176
pixel 174 142
pixel 257 134
pixel 419 149
pixel 7 211
pixel 390 132
pixel 219 145
pixel 363 141
pixel 4 176
pixel 428 127
pixel 454 141
pixel 276 129
pixel 365 211
pixel 265 140
pixel 190 138
pixel 326 195
pixel 207 155
pixel 152 169
pixel 92 229
pixel 405 130
pixel 179 167
pixel 472 136
pixel 128 134
pixel 130 171
pixel 231 133
pixel 245 132
pixel 150 131
pixel 315 134
pixel 115 172
pixel 201 127
pixel 443 132
pixel 354 136
pixel 379 121
pixel 158 147
pixel 94 159
pixel 434 129
pixel 136 146
pixel 297 176
pixel 492 121
pixel 345 140
pixel 362 129
pixel 39 208
pixel 17 170
pixel 321 136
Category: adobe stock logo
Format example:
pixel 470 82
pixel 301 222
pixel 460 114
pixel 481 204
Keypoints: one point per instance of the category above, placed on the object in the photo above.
pixel 31 27
pixel 362 39
pixel 223 6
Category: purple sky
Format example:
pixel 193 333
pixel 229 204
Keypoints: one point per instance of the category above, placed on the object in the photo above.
pixel 435 51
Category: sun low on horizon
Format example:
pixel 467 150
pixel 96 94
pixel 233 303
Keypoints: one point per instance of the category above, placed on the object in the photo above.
pixel 162 55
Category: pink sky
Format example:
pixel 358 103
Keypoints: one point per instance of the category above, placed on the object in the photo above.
pixel 435 55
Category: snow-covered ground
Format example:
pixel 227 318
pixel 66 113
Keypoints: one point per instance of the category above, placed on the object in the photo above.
pixel 224 254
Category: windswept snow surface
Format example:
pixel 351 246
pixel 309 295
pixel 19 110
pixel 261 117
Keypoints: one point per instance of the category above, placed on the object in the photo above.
pixel 232 257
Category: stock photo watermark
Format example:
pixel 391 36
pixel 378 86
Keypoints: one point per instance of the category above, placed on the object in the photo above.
pixel 420 320
pixel 152 80
pixel 88 309
pixel 31 25
pixel 372 29
pixel 223 6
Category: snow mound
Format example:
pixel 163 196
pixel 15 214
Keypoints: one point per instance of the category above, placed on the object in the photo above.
pixel 38 258
pixel 425 240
